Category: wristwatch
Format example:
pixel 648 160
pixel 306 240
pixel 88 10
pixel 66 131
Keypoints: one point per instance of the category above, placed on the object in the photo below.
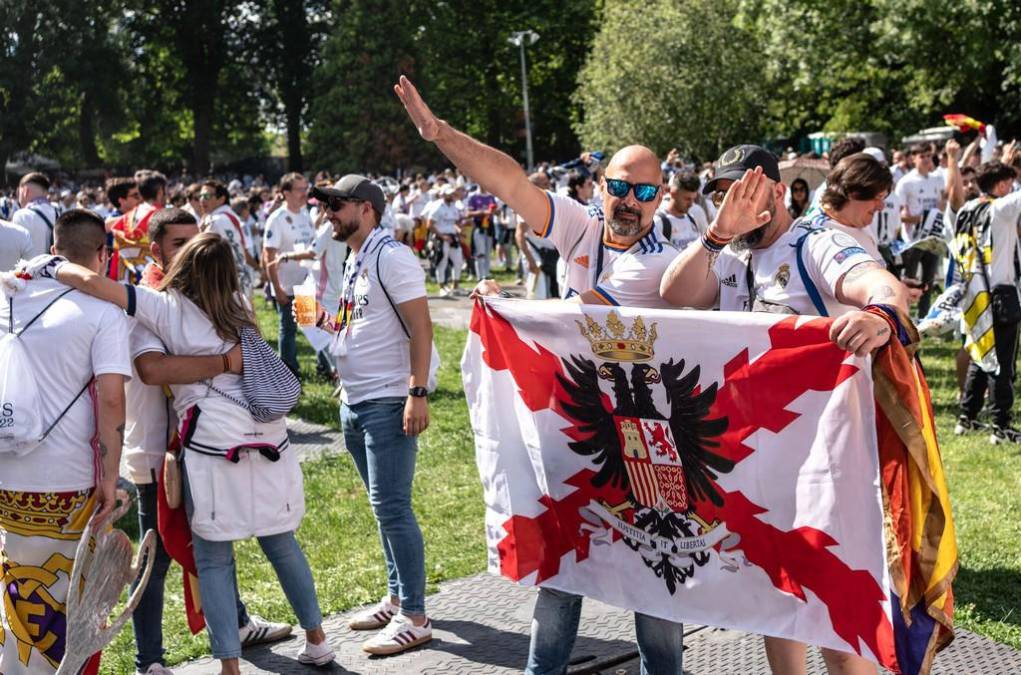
pixel 418 392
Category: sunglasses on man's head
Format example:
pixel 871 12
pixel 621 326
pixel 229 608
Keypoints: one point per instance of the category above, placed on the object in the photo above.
pixel 644 192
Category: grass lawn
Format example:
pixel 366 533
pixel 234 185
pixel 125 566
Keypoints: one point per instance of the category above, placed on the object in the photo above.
pixel 339 533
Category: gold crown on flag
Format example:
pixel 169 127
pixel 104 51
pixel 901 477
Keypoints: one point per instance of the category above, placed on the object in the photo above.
pixel 615 341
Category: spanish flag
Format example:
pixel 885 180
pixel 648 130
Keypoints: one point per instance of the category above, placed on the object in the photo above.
pixel 920 539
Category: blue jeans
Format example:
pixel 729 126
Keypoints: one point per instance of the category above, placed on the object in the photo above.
pixel 147 619
pixel 555 627
pixel 385 459
pixel 287 341
pixel 218 583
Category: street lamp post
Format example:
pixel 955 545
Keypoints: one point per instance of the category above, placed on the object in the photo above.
pixel 520 39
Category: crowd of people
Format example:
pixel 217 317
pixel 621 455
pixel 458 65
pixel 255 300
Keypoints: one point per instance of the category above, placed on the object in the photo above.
pixel 173 372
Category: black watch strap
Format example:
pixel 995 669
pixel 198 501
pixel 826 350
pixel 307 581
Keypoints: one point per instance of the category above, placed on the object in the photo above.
pixel 418 392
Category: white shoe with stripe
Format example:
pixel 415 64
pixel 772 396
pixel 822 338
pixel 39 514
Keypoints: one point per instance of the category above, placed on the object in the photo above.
pixel 259 631
pixel 374 617
pixel 399 634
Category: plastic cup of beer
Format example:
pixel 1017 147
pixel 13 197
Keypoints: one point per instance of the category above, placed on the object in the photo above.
pixel 305 303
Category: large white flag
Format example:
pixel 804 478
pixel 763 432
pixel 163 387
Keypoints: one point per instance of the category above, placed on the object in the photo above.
pixel 707 467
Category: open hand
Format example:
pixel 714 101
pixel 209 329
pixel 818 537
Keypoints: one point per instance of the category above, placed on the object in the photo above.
pixel 744 207
pixel 423 118
pixel 860 332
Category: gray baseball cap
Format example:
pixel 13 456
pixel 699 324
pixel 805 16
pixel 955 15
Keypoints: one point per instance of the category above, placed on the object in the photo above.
pixel 353 186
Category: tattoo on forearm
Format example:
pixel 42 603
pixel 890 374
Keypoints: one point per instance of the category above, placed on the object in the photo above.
pixel 102 449
pixel 860 270
pixel 882 293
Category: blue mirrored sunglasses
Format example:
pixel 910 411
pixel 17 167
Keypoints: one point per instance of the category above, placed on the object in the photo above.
pixel 644 192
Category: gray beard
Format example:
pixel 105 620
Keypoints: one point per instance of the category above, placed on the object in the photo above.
pixel 622 229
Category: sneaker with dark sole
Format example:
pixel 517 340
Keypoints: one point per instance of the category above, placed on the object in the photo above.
pixel 1004 435
pixel 375 617
pixel 400 634
pixel 259 631
pixel 965 424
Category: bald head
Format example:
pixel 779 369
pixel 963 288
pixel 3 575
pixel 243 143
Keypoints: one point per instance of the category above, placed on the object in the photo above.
pixel 638 161
pixel 627 218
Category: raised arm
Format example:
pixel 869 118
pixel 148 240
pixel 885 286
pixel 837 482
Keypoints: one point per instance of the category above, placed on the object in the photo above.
pixel 495 171
pixel 690 280
pixel 955 184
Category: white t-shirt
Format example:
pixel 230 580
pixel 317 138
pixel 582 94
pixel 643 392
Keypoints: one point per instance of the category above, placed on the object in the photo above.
pixel 184 329
pixel 377 362
pixel 919 194
pixel 619 275
pixel 827 255
pixel 15 244
pixel 446 216
pixel 332 255
pixel 684 229
pixel 886 223
pixel 863 235
pixel 149 418
pixel 1004 213
pixel 29 218
pixel 288 232
pixel 78 337
pixel 419 200
pixel 221 221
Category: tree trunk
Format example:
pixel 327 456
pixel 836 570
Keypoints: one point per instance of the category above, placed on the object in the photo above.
pixel 202 110
pixel 87 132
pixel 293 110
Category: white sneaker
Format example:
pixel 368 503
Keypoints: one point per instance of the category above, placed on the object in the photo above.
pixel 373 617
pixel 259 631
pixel 399 634
pixel 444 292
pixel 316 655
pixel 156 669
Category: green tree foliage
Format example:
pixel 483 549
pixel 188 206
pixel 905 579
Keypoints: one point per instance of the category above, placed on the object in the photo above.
pixel 887 65
pixel 667 74
pixel 458 54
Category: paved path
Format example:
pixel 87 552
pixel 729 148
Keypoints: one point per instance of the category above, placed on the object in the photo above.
pixel 481 627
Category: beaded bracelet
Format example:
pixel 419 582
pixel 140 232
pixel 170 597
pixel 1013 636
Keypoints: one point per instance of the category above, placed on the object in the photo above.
pixel 713 242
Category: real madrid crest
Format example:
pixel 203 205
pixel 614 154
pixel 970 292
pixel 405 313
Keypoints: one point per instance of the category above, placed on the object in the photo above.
pixel 783 276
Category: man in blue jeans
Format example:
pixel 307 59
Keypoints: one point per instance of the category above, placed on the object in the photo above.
pixel 632 259
pixel 383 347
pixel 149 423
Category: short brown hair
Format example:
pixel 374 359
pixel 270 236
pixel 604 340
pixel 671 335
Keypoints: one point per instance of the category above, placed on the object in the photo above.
pixel 36 178
pixel 287 182
pixel 118 189
pixel 78 234
pixel 991 174
pixel 857 177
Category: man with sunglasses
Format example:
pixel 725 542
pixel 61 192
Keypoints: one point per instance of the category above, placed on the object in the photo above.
pixel 614 256
pixel 218 217
pixel 754 257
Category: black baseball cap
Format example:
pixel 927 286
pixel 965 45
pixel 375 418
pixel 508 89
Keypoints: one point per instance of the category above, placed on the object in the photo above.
pixel 734 162
pixel 353 186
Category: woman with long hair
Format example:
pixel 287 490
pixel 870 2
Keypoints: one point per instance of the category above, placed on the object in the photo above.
pixel 799 198
pixel 239 479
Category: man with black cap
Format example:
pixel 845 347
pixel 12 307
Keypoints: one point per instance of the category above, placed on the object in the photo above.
pixel 754 257
pixel 383 345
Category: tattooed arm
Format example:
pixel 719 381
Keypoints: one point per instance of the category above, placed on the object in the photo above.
pixel 110 418
pixel 865 284
pixel 869 283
